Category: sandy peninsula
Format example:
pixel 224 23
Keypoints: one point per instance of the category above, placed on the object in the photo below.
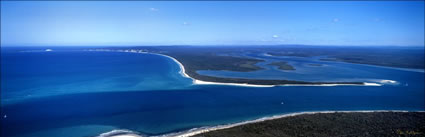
pixel 203 82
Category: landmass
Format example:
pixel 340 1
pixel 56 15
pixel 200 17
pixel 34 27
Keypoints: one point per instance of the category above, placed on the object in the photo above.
pixel 231 58
pixel 193 63
pixel 282 65
pixel 193 59
pixel 390 56
pixel 363 124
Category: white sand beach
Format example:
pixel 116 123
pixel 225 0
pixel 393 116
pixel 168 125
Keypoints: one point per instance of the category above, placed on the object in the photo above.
pixel 196 131
pixel 201 82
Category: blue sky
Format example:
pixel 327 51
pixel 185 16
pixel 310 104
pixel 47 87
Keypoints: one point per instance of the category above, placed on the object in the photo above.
pixel 212 23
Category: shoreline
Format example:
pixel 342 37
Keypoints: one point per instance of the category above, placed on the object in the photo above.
pixel 201 82
pixel 205 129
pixel 201 130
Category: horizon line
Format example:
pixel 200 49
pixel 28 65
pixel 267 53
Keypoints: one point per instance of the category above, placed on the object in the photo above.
pixel 152 45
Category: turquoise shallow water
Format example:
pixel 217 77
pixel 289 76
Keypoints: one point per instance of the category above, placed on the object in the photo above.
pixel 77 94
pixel 36 74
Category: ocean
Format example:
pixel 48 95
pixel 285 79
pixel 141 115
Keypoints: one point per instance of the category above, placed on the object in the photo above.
pixel 75 93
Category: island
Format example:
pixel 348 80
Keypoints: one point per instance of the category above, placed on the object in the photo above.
pixel 282 65
pixel 363 124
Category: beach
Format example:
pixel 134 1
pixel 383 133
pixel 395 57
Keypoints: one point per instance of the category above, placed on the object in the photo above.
pixel 201 82
pixel 209 129
pixel 200 130
pixel 212 69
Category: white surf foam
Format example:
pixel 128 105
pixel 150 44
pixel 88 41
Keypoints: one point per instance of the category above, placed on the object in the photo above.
pixel 120 133
pixel 200 130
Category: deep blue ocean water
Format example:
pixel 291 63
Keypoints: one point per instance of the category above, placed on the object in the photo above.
pixel 79 94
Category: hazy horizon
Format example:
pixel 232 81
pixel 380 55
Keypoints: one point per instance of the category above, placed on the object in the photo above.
pixel 105 45
pixel 235 23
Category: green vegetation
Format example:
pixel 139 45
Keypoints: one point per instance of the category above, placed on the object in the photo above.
pixel 230 58
pixel 282 65
pixel 196 58
pixel 194 62
pixel 214 62
pixel 384 124
pixel 391 56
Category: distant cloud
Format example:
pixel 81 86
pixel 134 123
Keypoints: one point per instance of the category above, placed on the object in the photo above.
pixel 335 20
pixel 185 23
pixel 275 36
pixel 153 9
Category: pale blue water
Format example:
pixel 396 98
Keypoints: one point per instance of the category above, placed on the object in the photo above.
pixel 77 94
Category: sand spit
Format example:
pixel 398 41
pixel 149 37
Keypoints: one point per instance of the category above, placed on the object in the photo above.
pixel 201 82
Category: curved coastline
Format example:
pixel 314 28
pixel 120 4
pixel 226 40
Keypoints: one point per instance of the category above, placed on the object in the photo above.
pixel 201 82
pixel 200 130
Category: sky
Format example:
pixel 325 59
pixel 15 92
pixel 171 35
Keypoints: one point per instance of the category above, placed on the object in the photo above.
pixel 97 23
